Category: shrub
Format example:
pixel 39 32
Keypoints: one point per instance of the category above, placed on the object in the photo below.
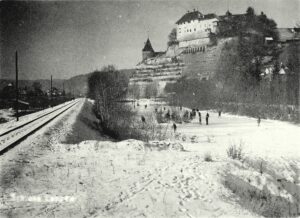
pixel 130 126
pixel 160 117
pixel 176 117
pixel 186 117
pixel 235 152
pixel 2 120
pixel 108 87
pixel 208 157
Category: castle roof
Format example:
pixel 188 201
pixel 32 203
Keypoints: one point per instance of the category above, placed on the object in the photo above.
pixel 229 15
pixel 148 46
pixel 194 15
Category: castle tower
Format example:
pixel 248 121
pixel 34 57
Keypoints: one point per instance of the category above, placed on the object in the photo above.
pixel 148 51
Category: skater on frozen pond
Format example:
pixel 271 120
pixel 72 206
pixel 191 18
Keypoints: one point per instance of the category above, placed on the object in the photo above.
pixel 207 116
pixel 200 121
pixel 174 127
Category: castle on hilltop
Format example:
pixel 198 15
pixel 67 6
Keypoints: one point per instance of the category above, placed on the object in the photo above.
pixel 194 53
pixel 159 68
pixel 193 28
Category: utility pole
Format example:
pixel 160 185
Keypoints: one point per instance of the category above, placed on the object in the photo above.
pixel 17 88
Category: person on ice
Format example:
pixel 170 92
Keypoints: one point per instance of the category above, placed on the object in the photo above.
pixel 220 113
pixel 143 121
pixel 258 121
pixel 168 115
pixel 206 118
pixel 174 127
pixel 200 121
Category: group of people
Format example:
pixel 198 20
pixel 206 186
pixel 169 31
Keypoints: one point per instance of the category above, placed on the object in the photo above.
pixel 192 115
pixel 200 118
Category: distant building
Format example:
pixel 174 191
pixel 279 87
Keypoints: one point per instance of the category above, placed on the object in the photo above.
pixel 288 35
pixel 229 17
pixel 194 28
pixel 8 91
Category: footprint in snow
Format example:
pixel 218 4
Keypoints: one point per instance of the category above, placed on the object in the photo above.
pixel 182 209
pixel 188 196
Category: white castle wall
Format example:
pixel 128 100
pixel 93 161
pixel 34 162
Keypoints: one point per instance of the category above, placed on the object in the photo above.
pixel 189 43
pixel 195 29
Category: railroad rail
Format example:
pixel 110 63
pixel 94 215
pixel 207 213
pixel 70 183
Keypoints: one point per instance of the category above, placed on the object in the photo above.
pixel 10 138
pixel 13 128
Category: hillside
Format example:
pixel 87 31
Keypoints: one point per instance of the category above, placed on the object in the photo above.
pixel 203 64
pixel 76 85
pixel 176 64
pixel 58 83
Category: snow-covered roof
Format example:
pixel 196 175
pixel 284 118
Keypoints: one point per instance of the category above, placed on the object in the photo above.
pixel 195 15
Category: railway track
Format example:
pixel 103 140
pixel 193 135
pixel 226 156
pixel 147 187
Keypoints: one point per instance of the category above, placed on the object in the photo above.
pixel 13 136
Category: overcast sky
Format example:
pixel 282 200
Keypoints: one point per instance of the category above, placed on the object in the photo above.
pixel 70 38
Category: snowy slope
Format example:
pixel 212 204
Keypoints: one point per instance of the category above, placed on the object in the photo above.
pixel 134 179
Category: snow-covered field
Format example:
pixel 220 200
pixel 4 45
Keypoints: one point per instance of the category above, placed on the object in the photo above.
pixel 103 178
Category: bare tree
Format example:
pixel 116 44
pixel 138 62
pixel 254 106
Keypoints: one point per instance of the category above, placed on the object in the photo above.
pixel 134 91
pixel 172 37
pixel 107 87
